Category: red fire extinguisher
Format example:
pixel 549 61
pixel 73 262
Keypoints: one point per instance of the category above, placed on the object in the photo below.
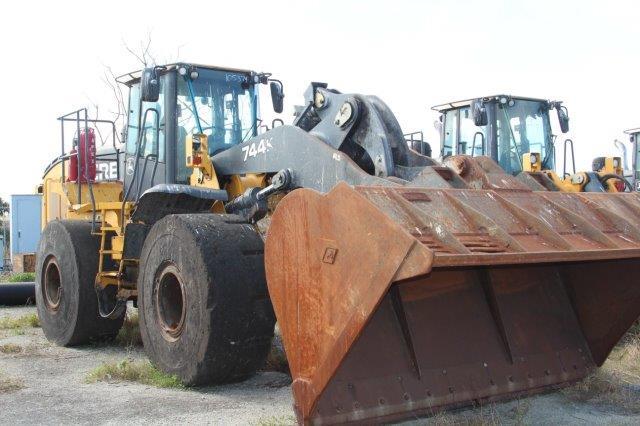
pixel 73 163
pixel 84 150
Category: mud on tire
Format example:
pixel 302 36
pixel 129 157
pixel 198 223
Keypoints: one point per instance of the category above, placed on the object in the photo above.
pixel 66 267
pixel 205 313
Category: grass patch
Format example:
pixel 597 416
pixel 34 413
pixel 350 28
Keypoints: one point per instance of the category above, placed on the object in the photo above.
pixel 605 388
pixel 9 384
pixel 133 371
pixel 129 334
pixel 10 348
pixel 480 416
pixel 617 382
pixel 22 277
pixel 14 323
pixel 277 421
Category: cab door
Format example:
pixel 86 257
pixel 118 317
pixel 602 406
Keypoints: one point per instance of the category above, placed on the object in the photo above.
pixel 145 163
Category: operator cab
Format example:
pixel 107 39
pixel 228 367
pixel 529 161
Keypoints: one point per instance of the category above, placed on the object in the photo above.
pixel 502 127
pixel 171 102
pixel 634 135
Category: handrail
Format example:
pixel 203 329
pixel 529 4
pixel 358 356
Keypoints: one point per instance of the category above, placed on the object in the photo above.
pixel 144 170
pixel 473 145
pixel 65 118
pixel 564 160
pixel 623 149
pixel 412 140
pixel 137 156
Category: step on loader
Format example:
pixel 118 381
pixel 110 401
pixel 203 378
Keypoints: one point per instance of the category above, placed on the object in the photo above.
pixel 400 287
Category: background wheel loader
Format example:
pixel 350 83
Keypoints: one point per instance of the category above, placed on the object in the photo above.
pixel 400 289
pixel 635 158
pixel 516 133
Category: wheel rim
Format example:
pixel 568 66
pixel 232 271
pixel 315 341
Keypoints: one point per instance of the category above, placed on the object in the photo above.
pixel 170 306
pixel 52 285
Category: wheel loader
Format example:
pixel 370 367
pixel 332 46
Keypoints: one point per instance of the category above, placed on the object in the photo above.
pixel 400 289
pixel 516 132
pixel 635 158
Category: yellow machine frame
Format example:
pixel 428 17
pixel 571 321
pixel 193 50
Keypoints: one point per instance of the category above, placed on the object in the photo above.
pixel 60 201
pixel 532 163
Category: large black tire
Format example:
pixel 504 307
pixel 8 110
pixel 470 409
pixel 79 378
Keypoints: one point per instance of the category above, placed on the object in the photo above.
pixel 205 312
pixel 66 267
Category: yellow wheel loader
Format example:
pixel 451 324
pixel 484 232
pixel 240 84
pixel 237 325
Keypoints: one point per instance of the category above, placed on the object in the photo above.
pixel 400 288
pixel 516 133
pixel 635 158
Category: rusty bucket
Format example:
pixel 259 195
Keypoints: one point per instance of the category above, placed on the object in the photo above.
pixel 397 302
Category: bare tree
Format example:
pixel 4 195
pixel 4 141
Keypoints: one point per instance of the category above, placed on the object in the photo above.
pixel 120 112
pixel 143 55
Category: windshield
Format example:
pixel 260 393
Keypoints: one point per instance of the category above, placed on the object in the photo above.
pixel 224 104
pixel 522 127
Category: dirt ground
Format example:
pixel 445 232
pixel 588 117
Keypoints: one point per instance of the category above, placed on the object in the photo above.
pixel 47 385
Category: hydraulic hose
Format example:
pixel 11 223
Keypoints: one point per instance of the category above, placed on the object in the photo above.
pixel 604 178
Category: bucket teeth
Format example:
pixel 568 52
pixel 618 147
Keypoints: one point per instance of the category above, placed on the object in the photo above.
pixel 404 301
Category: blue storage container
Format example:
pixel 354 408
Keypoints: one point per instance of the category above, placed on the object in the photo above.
pixel 25 223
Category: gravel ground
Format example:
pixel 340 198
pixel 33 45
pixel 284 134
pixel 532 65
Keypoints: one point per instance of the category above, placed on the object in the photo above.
pixel 55 392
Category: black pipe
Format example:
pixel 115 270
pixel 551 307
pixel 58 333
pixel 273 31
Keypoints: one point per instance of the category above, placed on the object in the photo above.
pixel 12 294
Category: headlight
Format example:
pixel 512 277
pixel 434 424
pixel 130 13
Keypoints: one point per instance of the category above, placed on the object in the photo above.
pixel 533 158
pixel 194 74
pixel 616 163
pixel 182 71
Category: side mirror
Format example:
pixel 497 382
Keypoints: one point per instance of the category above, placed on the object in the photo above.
pixel 563 118
pixel 149 85
pixel 277 95
pixel 479 111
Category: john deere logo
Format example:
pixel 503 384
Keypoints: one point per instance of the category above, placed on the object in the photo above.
pixel 130 165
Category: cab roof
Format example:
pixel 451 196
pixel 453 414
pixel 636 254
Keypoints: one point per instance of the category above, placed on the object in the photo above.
pixel 467 102
pixel 132 77
pixel 632 131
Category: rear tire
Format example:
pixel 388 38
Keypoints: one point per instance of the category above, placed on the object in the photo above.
pixel 205 312
pixel 66 267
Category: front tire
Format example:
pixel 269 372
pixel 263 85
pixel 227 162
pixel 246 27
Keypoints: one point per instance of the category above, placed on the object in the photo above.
pixel 205 312
pixel 66 268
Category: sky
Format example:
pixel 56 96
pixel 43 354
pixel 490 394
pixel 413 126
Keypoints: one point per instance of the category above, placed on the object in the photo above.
pixel 413 55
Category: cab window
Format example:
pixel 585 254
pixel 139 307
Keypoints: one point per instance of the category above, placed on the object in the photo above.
pixel 472 138
pixel 450 133
pixel 150 144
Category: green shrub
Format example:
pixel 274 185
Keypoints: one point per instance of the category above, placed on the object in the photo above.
pixel 13 323
pixel 22 277
pixel 133 371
